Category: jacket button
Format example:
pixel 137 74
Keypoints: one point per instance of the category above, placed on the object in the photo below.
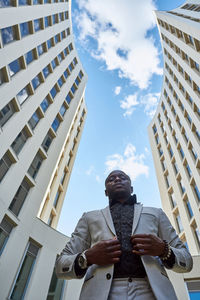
pixel 108 276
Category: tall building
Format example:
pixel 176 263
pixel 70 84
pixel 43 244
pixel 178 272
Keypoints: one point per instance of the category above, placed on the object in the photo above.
pixel 174 131
pixel 42 113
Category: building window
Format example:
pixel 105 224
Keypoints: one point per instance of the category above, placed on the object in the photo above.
pixel 37 25
pixel 47 141
pixel 60 82
pixel 189 172
pixel 193 289
pixel 56 288
pixel 23 2
pixel 6 112
pixel 55 202
pixel 47 21
pixel 197 192
pixel 182 186
pixel 24 273
pixel 167 181
pixel 171 152
pixel 6 227
pixel 14 67
pixel 160 151
pixel 196 234
pixel 23 95
pixel 53 92
pixel 8 35
pixel 46 71
pixel 63 110
pixel 34 120
pixel 5 3
pixel 173 200
pixel 189 209
pixel 35 166
pixel 45 104
pixel 20 141
pixel 50 220
pixel 20 197
pixel 5 164
pixel 29 57
pixel 24 29
pixel 49 43
pixel 36 81
pixel 179 223
pixel 55 124
pixel 181 153
pixel 41 49
pixel 176 170
pixel 63 177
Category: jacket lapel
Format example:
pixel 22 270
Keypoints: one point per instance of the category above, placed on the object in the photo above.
pixel 107 215
pixel 137 213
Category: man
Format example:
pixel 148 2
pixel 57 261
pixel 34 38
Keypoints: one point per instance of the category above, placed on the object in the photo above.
pixel 122 249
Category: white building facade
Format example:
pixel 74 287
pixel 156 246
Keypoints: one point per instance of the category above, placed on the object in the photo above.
pixel 42 114
pixel 174 133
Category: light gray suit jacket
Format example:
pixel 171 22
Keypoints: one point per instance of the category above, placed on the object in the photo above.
pixel 96 226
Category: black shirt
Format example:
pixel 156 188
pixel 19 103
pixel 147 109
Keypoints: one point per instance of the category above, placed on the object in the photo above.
pixel 130 264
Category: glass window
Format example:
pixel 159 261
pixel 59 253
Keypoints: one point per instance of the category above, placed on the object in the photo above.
pixel 5 164
pixel 63 177
pixel 45 104
pixel 23 95
pixel 77 81
pixel 20 140
pixel 189 209
pixel 29 57
pixel 47 141
pixel 68 98
pixel 40 49
pixel 55 202
pixel 2 80
pixel 182 153
pixel 66 14
pixel 46 71
pixel 70 67
pixel 53 63
pixel 56 287
pixel 36 82
pixel 23 2
pixel 194 289
pixel 63 110
pixel 56 38
pixel 5 3
pixel 14 67
pixel 6 112
pixel 60 58
pixel 20 197
pixel 8 35
pixel 70 47
pixel 47 21
pixel 66 74
pixel 35 166
pixel 6 227
pixel 55 124
pixel 60 81
pixel 49 43
pixel 182 186
pixel 24 29
pixel 73 89
pixel 50 220
pixel 37 25
pixel 53 92
pixel 35 2
pixel 63 35
pixel 34 120
pixel 53 19
pixel 80 74
pixel 24 273
pixel 179 223
pixel 173 200
pixel 197 192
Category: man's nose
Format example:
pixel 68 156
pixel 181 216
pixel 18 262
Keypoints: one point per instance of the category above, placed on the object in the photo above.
pixel 117 178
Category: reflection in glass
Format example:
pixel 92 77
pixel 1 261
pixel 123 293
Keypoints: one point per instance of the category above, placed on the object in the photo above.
pixel 55 124
pixel 46 71
pixel 23 95
pixel 29 57
pixel 44 105
pixel 36 82
pixel 24 29
pixel 23 2
pixel 14 67
pixel 8 35
pixel 63 110
pixel 40 50
pixel 5 3
pixel 37 25
pixel 34 120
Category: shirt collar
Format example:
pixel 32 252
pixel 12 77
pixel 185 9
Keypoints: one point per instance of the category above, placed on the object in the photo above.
pixel 130 201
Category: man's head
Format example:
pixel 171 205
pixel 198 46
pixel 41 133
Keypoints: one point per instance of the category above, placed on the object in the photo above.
pixel 118 185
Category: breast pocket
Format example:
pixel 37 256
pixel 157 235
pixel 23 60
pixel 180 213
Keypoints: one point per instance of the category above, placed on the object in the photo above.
pixel 148 224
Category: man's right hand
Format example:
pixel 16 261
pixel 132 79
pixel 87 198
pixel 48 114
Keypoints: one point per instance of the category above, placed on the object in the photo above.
pixel 104 253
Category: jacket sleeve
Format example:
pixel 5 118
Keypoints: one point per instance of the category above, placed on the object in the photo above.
pixel 183 259
pixel 79 241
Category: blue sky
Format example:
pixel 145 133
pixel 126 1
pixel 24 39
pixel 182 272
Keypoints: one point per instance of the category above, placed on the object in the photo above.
pixel 119 46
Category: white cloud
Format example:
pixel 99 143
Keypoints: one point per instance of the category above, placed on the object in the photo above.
pixel 118 90
pixel 121 30
pixel 150 102
pixel 129 104
pixel 98 179
pixel 130 162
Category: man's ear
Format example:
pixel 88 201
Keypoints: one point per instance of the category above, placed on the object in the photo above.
pixel 106 193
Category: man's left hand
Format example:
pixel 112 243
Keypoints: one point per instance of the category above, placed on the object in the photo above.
pixel 147 244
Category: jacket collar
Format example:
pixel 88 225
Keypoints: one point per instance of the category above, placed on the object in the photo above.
pixel 108 218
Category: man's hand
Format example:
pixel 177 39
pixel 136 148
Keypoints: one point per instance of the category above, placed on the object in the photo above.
pixel 104 253
pixel 147 244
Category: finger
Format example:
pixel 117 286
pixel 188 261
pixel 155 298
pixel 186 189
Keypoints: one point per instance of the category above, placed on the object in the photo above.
pixel 115 260
pixel 140 236
pixel 112 242
pixel 141 247
pixel 113 248
pixel 141 241
pixel 115 254
pixel 141 252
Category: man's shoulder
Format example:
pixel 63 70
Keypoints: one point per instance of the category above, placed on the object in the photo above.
pixel 151 210
pixel 95 212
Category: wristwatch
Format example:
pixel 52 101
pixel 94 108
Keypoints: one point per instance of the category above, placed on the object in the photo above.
pixel 82 260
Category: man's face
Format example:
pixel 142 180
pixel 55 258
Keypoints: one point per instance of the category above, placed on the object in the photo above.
pixel 118 185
